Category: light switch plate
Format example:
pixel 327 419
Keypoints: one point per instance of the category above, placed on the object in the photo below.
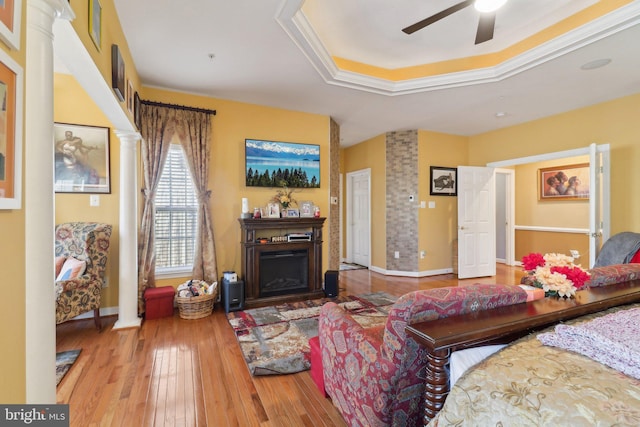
pixel 94 200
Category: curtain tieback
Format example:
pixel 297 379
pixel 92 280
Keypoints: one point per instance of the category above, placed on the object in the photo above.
pixel 147 195
pixel 204 196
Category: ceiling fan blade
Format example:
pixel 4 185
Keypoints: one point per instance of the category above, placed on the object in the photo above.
pixel 486 26
pixel 438 16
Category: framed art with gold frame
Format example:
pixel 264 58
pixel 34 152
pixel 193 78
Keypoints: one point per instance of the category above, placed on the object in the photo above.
pixel 569 182
pixel 11 96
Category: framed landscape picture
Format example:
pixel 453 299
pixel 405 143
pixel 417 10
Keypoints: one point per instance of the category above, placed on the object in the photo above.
pixel 10 18
pixel 280 164
pixel 81 159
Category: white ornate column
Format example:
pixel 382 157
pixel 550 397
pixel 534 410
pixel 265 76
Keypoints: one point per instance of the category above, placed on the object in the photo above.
pixel 128 278
pixel 39 200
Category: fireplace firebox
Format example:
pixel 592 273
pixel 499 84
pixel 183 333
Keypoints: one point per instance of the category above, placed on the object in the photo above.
pixel 277 271
pixel 284 272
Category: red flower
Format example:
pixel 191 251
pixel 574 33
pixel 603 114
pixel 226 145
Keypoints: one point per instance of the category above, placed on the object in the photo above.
pixel 533 260
pixel 577 276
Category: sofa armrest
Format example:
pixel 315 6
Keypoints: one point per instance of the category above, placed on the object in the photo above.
pixel 351 357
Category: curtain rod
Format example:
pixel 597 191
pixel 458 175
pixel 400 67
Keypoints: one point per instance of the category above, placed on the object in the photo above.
pixel 178 107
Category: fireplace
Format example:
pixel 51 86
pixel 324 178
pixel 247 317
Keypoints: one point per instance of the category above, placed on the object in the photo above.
pixel 276 270
pixel 284 272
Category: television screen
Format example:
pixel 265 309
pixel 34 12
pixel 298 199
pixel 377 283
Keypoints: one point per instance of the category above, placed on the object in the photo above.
pixel 277 164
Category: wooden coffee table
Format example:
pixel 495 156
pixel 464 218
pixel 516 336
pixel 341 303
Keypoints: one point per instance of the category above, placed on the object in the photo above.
pixel 503 325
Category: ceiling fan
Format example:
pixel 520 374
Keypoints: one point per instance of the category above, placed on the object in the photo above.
pixel 486 24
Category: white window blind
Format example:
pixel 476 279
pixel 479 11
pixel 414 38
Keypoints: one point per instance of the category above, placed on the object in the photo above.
pixel 176 214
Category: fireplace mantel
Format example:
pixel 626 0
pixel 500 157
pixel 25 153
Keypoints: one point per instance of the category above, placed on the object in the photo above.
pixel 255 229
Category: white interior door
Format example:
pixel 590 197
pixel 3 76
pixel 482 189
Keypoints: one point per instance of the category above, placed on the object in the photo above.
pixel 359 217
pixel 476 222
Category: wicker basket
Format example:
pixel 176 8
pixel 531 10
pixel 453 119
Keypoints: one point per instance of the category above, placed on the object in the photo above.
pixel 196 307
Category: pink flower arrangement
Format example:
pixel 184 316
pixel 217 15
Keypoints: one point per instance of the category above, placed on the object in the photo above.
pixel 555 273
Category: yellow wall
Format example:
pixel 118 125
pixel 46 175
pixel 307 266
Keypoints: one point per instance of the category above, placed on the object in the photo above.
pixel 614 122
pixel 530 211
pixel 73 105
pixel 437 228
pixel 12 285
pixel 111 34
pixel 233 123
pixel 370 154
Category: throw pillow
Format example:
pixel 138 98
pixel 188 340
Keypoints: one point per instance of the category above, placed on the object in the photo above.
pixel 59 263
pixel 71 269
pixel 612 274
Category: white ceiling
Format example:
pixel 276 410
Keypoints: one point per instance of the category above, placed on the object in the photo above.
pixel 270 53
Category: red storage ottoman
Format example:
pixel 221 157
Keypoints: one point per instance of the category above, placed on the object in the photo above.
pixel 315 357
pixel 159 302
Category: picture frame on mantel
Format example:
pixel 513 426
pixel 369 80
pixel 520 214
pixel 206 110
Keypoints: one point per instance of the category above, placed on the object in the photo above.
pixel 10 19
pixel 11 96
pixel 117 72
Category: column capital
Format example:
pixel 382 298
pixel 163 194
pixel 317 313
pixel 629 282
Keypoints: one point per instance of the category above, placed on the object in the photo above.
pixel 128 135
pixel 61 8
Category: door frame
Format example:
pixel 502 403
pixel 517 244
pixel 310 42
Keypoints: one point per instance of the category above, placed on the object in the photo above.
pixel 349 213
pixel 510 209
pixel 604 148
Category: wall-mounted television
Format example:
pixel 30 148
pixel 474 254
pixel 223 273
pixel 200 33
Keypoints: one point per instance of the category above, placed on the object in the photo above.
pixel 277 164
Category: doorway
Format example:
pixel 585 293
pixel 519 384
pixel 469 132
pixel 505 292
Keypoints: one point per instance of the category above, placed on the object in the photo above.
pixel 359 217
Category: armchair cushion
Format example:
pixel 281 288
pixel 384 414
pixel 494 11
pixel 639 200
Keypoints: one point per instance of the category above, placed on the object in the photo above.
pixel 378 379
pixel 71 269
pixel 59 262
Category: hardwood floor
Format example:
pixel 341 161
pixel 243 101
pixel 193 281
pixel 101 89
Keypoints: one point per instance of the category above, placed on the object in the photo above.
pixel 177 372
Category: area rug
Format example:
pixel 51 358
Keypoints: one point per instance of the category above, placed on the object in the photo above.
pixel 275 340
pixel 64 361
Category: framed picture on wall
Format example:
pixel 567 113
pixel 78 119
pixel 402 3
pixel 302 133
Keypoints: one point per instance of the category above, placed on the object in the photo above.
pixel 117 72
pixel 569 182
pixel 81 159
pixel 10 19
pixel 95 22
pixel 443 181
pixel 11 92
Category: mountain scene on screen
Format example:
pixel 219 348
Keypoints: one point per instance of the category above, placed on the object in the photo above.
pixel 277 164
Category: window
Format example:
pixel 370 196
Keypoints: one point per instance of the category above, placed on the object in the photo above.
pixel 176 216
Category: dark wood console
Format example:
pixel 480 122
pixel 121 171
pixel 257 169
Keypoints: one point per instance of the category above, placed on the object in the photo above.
pixel 252 248
pixel 503 325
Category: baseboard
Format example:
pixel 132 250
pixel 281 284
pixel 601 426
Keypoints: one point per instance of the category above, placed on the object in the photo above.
pixel 411 273
pixel 104 311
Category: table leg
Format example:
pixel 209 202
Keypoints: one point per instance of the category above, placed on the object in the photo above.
pixel 436 383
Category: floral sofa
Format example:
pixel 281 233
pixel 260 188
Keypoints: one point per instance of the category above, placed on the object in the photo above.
pixel 88 243
pixel 375 376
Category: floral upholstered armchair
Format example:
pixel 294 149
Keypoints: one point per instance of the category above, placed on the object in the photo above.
pixel 85 244
pixel 376 376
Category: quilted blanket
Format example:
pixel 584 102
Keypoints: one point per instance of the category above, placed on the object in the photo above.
pixel 611 340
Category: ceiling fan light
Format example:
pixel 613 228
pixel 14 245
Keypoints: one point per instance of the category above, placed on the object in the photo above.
pixel 488 5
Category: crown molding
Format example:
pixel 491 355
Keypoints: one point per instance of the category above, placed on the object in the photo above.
pixel 299 29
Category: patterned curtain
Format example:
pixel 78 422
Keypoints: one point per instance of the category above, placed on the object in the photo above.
pixel 194 131
pixel 158 125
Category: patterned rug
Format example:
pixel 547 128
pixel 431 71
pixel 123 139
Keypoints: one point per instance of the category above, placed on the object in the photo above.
pixel 275 340
pixel 64 361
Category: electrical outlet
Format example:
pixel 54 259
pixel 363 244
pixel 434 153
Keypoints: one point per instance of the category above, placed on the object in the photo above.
pixel 411 197
pixel 396 254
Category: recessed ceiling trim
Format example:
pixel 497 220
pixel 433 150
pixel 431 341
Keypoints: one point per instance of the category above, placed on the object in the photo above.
pixel 298 28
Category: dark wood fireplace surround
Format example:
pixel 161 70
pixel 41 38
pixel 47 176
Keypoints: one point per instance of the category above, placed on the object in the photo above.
pixel 254 229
